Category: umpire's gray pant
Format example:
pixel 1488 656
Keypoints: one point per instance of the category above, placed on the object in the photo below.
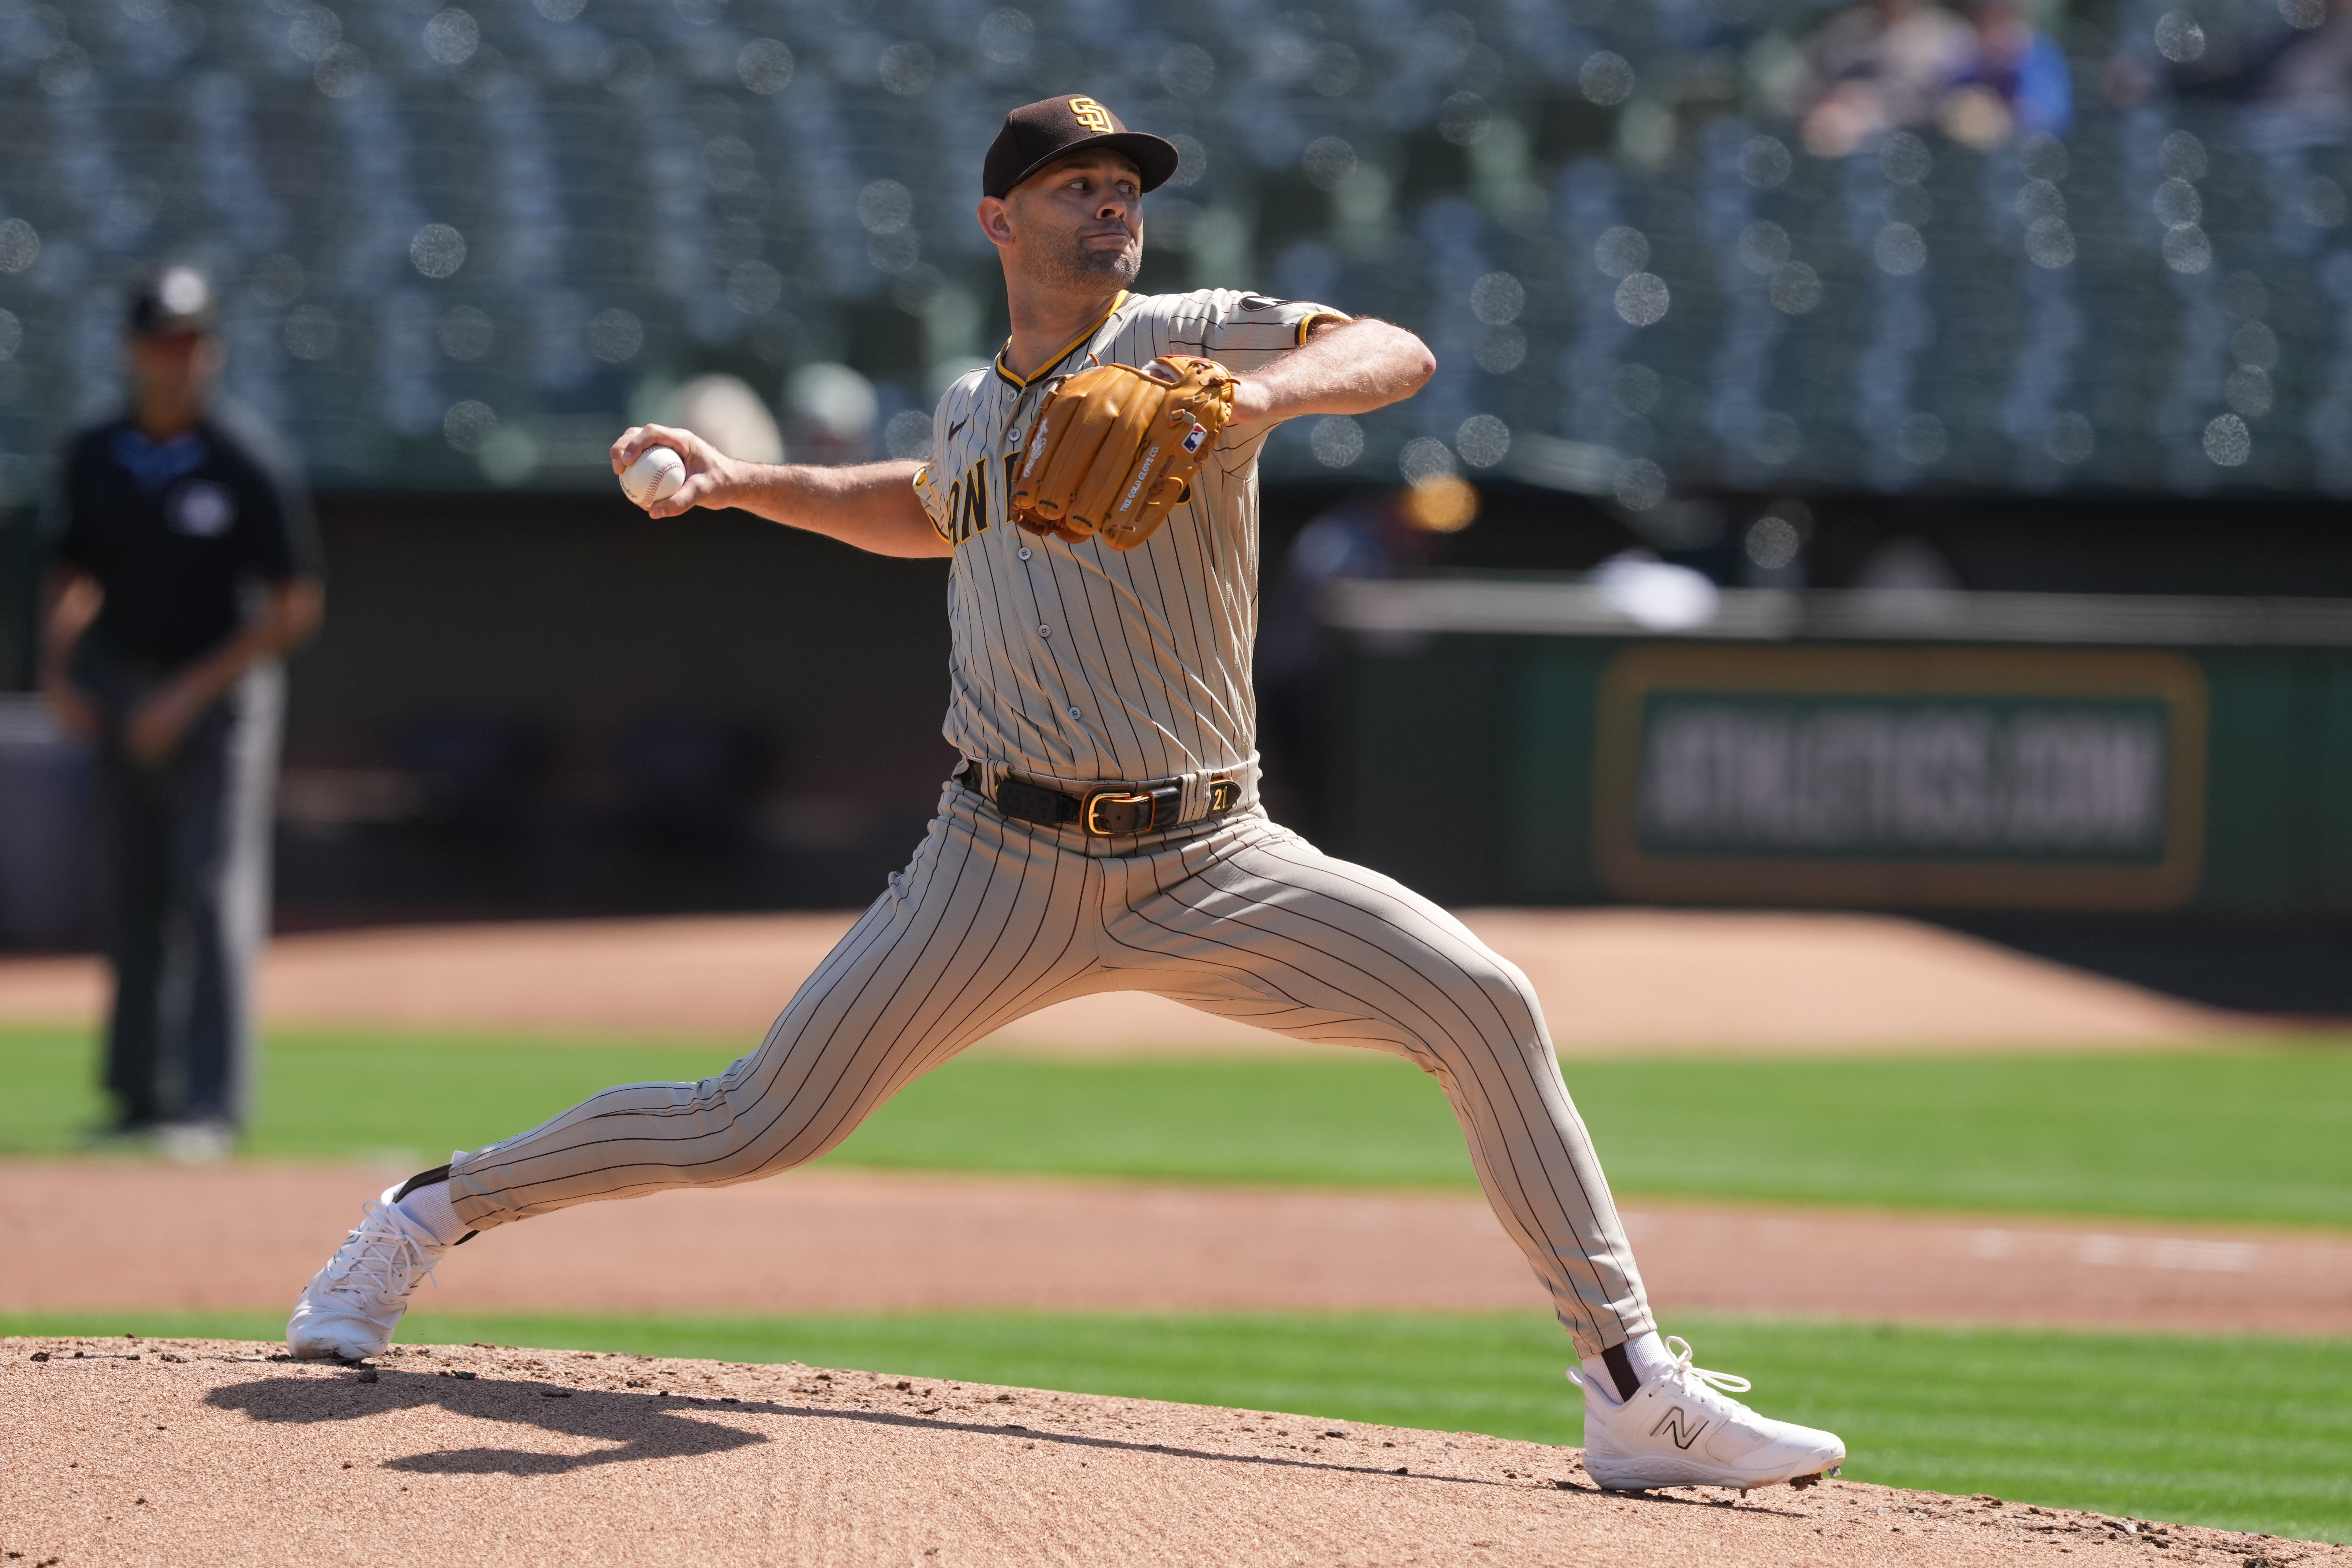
pixel 184 862
pixel 995 919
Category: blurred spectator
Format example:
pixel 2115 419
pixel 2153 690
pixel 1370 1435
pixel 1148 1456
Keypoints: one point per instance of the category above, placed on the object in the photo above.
pixel 2292 65
pixel 1878 67
pixel 184 562
pixel 2017 86
pixel 724 411
pixel 2306 80
pixel 831 411
pixel 1987 79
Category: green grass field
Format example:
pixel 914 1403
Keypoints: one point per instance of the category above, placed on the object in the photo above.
pixel 2248 1135
pixel 2248 1434
pixel 2251 1436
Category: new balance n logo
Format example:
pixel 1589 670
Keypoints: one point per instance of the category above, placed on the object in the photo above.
pixel 1682 1428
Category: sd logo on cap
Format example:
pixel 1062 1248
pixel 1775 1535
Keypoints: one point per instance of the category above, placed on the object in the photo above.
pixel 1037 133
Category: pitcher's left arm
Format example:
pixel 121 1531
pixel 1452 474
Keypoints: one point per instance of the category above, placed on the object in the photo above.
pixel 1344 367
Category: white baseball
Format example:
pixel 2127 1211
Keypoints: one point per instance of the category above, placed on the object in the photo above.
pixel 655 476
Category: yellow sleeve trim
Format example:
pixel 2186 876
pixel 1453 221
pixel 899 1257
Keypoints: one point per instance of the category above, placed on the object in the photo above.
pixel 1322 313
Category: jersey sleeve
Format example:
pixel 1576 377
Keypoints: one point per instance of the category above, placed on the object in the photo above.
pixel 1245 332
pixel 935 506
pixel 933 479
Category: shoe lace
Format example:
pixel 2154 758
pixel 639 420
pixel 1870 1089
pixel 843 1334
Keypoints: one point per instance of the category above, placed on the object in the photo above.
pixel 379 1258
pixel 1698 1380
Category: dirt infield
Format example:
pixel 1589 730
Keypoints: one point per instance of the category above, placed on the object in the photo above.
pixel 1610 979
pixel 90 1236
pixel 179 1451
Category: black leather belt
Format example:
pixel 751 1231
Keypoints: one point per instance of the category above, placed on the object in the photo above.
pixel 1106 811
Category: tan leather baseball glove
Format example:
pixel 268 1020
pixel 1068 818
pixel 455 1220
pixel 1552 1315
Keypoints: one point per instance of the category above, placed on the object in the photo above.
pixel 1115 449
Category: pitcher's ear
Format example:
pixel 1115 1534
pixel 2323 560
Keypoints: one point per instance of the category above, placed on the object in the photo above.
pixel 995 218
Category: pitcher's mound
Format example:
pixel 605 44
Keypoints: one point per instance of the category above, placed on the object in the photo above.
pixel 126 1452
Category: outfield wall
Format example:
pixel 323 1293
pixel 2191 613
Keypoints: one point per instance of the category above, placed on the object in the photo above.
pixel 1531 742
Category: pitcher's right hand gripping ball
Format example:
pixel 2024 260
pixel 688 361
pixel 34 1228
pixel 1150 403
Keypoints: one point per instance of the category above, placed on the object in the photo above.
pixel 704 476
pixel 1115 448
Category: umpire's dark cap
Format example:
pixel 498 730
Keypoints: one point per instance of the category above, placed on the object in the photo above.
pixel 173 300
pixel 1037 133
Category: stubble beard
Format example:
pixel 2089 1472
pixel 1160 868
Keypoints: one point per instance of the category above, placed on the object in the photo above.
pixel 1079 267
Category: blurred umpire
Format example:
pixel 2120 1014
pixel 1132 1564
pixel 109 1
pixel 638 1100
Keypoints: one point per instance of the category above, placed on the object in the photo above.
pixel 184 562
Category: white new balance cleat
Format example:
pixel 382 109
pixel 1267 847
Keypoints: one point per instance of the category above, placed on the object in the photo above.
pixel 1681 1429
pixel 351 1306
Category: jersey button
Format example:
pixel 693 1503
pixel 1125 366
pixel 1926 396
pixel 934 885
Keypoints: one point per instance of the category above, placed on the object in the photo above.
pixel 1044 631
pixel 1073 714
pixel 1024 552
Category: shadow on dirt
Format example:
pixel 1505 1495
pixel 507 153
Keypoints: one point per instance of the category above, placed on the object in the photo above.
pixel 644 1427
pixel 640 1427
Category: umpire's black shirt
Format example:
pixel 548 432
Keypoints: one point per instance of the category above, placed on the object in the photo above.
pixel 174 532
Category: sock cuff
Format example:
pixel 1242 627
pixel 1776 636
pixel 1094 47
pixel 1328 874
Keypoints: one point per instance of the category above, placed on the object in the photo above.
pixel 421 1179
pixel 430 1207
pixel 1649 1356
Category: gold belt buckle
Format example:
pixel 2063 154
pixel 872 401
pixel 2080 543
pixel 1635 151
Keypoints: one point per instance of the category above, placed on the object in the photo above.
pixel 1095 803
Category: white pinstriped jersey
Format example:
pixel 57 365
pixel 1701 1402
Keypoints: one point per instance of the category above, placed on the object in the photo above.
pixel 1083 662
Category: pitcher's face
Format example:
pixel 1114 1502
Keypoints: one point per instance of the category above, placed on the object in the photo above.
pixel 1077 223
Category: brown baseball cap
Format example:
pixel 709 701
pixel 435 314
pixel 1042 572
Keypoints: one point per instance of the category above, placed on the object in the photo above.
pixel 1037 133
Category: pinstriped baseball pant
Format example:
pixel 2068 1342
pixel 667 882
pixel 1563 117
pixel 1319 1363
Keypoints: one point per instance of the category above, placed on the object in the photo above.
pixel 995 919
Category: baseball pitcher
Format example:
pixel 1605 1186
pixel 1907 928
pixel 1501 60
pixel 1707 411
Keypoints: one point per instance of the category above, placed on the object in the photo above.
pixel 1096 491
